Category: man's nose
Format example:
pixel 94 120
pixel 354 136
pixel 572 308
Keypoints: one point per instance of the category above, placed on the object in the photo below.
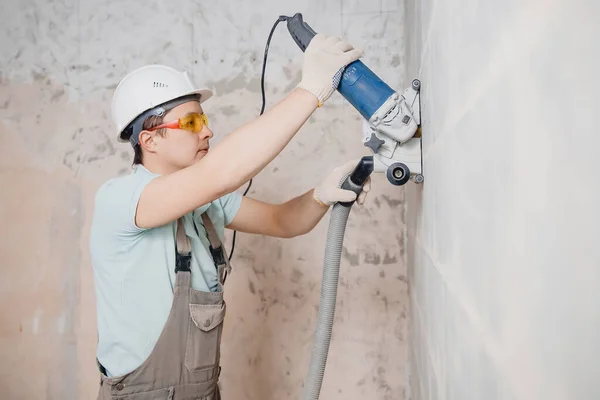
pixel 206 133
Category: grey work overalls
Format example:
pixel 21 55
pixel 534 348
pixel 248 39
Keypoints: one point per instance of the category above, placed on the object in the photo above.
pixel 184 364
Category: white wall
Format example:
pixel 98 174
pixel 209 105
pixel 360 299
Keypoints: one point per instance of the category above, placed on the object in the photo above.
pixel 504 259
pixel 59 64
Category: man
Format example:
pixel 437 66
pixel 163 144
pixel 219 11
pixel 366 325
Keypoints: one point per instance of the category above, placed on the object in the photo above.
pixel 159 266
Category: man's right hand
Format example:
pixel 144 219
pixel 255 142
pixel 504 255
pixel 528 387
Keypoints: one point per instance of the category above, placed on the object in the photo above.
pixel 324 60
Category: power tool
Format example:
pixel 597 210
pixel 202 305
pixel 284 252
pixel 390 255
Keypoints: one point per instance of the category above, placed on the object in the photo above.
pixel 391 119
pixel 391 122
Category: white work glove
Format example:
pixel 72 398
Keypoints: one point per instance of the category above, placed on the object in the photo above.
pixel 324 61
pixel 329 192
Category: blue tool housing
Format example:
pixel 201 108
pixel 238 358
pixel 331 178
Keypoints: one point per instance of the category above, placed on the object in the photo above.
pixel 363 89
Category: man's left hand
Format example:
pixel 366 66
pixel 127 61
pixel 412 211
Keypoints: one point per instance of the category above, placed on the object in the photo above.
pixel 329 192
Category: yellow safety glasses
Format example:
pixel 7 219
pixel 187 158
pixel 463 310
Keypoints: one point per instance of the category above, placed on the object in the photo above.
pixel 191 122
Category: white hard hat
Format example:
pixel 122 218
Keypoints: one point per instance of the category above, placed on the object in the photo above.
pixel 153 87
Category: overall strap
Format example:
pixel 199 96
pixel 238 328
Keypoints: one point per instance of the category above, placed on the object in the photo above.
pixel 184 249
pixel 217 250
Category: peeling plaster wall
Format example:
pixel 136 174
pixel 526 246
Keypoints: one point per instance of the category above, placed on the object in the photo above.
pixel 503 251
pixel 60 62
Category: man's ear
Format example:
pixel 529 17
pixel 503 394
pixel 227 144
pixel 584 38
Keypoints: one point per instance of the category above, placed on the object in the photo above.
pixel 147 141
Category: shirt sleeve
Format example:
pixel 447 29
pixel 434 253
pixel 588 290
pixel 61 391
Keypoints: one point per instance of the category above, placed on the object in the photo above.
pixel 117 201
pixel 230 203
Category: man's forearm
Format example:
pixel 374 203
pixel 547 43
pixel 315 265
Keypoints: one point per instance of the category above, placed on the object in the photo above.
pixel 299 215
pixel 248 149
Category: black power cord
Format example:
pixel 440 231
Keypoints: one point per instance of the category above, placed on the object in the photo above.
pixel 281 18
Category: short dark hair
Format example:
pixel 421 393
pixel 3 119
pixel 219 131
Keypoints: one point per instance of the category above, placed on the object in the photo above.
pixel 149 123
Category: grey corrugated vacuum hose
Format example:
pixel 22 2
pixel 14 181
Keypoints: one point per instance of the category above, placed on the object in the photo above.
pixel 331 272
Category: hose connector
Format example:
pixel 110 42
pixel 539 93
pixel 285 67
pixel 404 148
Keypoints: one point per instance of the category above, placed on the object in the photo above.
pixel 358 177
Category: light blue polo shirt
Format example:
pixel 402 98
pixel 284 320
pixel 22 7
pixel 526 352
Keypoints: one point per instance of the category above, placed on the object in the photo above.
pixel 134 268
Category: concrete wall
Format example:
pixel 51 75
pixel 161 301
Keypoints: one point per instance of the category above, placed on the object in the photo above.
pixel 503 254
pixel 60 62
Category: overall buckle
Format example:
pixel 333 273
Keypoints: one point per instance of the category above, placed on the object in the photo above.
pixel 183 262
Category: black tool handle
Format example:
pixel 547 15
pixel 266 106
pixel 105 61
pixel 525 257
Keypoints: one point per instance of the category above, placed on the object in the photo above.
pixel 358 177
pixel 301 32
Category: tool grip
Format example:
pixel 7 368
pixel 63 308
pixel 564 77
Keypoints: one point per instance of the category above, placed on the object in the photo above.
pixel 301 32
pixel 359 85
pixel 358 177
